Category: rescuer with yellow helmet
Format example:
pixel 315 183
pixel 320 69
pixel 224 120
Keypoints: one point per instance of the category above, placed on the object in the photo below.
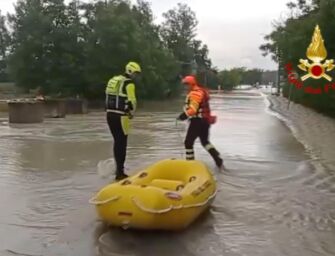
pixel 197 111
pixel 120 107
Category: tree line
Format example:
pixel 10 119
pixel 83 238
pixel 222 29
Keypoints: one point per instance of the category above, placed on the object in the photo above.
pixel 229 79
pixel 74 48
pixel 288 43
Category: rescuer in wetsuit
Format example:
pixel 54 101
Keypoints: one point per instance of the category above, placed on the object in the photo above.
pixel 120 107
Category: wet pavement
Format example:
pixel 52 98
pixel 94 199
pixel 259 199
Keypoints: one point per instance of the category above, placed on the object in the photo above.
pixel 272 200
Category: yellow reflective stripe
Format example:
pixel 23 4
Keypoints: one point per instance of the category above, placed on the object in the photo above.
pixel 191 107
pixel 209 146
pixel 115 111
pixel 189 154
pixel 194 105
pixel 131 95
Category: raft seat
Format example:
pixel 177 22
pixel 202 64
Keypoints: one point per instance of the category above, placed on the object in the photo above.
pixel 174 185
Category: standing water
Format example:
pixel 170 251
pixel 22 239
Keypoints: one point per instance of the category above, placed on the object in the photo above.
pixel 273 199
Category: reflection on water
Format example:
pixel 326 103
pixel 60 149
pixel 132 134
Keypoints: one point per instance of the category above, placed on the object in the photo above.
pixel 273 200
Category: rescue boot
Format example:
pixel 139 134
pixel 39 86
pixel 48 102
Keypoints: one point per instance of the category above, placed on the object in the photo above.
pixel 216 156
pixel 120 175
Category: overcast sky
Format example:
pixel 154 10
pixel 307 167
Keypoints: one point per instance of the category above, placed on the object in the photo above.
pixel 233 30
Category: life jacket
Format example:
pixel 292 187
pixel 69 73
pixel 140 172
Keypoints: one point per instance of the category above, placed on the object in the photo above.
pixel 203 111
pixel 116 95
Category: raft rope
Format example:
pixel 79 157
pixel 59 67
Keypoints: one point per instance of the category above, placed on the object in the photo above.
pixel 150 210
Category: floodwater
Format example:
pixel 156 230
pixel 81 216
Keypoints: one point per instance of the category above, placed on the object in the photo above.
pixel 273 199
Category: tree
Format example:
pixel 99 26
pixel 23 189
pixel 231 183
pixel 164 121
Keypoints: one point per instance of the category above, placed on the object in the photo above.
pixel 229 79
pixel 46 50
pixel 117 33
pixel 27 60
pixel 61 46
pixel 76 48
pixel 4 47
pixel 160 65
pixel 252 76
pixel 178 31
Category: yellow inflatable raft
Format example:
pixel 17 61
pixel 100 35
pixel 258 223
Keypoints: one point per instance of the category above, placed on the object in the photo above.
pixel 168 195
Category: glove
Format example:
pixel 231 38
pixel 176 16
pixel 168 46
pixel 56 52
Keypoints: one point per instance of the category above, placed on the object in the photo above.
pixel 182 116
pixel 130 116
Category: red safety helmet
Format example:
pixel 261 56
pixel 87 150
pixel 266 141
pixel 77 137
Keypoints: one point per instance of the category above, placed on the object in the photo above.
pixel 190 80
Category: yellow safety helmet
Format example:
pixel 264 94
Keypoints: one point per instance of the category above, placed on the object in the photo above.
pixel 133 67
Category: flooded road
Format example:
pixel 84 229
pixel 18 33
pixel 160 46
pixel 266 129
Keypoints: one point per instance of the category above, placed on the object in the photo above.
pixel 272 200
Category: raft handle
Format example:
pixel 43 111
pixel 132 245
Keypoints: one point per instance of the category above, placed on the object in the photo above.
pixel 126 182
pixel 179 187
pixel 97 202
pixel 192 178
pixel 142 175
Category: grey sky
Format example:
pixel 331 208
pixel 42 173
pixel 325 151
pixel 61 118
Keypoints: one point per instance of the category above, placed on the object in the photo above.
pixel 233 30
